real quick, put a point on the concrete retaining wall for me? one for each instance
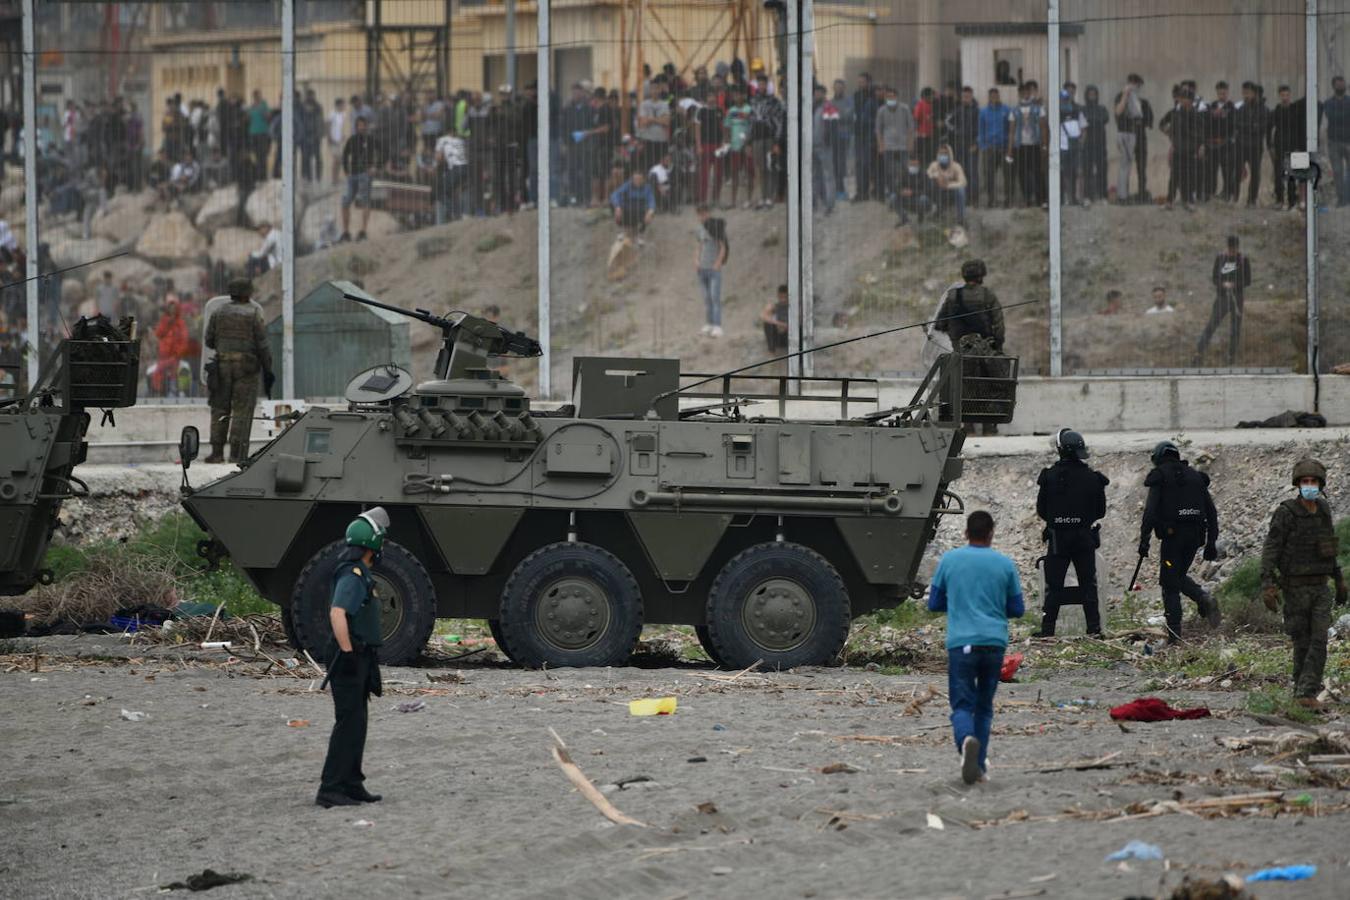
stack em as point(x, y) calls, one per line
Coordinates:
point(1168, 404)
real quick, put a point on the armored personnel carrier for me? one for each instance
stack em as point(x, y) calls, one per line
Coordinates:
point(42, 439)
point(568, 529)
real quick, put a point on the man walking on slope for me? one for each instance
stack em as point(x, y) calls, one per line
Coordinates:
point(978, 588)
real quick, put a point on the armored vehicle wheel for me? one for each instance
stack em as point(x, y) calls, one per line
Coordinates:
point(407, 602)
point(495, 626)
point(780, 603)
point(288, 623)
point(706, 643)
point(570, 604)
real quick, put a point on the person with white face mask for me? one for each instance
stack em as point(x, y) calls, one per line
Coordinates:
point(1299, 556)
point(895, 136)
point(948, 183)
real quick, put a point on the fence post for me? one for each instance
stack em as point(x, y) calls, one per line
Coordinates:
point(1054, 220)
point(30, 193)
point(794, 197)
point(543, 176)
point(288, 386)
point(806, 94)
point(1310, 217)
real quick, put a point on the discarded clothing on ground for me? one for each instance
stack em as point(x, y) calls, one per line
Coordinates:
point(1152, 709)
point(209, 878)
point(1288, 419)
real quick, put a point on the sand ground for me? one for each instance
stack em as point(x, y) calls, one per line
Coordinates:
point(97, 806)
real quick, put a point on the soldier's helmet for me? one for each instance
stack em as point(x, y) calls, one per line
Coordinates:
point(1307, 467)
point(1162, 449)
point(973, 269)
point(240, 287)
point(1070, 443)
point(368, 529)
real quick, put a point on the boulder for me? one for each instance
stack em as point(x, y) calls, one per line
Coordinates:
point(124, 219)
point(232, 246)
point(72, 290)
point(137, 272)
point(381, 224)
point(170, 237)
point(220, 209)
point(11, 198)
point(74, 251)
point(264, 204)
point(434, 245)
point(186, 279)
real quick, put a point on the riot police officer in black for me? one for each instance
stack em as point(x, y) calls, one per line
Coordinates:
point(1181, 513)
point(1072, 498)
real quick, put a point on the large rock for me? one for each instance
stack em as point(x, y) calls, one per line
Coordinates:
point(232, 246)
point(381, 224)
point(124, 219)
point(170, 238)
point(72, 290)
point(11, 198)
point(75, 251)
point(186, 279)
point(264, 204)
point(220, 209)
point(131, 269)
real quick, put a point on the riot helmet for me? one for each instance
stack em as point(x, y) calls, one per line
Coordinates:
point(1162, 450)
point(368, 529)
point(1070, 444)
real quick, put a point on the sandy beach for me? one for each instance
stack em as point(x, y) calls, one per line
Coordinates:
point(730, 788)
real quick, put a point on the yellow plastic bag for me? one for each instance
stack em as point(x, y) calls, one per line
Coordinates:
point(655, 706)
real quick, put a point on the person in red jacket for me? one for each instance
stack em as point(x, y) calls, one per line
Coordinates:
point(172, 336)
point(925, 145)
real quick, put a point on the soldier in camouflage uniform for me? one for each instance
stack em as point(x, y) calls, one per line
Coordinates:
point(1302, 547)
point(236, 333)
point(973, 318)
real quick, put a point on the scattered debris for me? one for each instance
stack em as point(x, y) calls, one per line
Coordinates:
point(839, 768)
point(1283, 873)
point(584, 785)
point(207, 879)
point(707, 807)
point(411, 706)
point(1229, 887)
point(654, 706)
point(1136, 850)
point(297, 723)
point(134, 715)
point(1011, 662)
point(362, 823)
point(1153, 709)
point(935, 822)
point(916, 705)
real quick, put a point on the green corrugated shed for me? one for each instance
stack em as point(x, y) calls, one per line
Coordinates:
point(336, 338)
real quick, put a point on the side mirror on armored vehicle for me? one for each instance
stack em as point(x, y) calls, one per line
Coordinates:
point(189, 443)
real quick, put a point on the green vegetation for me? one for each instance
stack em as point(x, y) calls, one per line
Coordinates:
point(1278, 701)
point(168, 548)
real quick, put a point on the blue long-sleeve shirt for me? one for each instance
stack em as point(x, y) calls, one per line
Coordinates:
point(993, 127)
point(630, 194)
point(979, 590)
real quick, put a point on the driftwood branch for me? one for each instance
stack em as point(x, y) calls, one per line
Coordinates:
point(584, 785)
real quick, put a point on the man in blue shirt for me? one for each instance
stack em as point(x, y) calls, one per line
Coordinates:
point(993, 140)
point(633, 203)
point(978, 588)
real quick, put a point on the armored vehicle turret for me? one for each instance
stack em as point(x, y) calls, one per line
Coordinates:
point(652, 497)
point(42, 439)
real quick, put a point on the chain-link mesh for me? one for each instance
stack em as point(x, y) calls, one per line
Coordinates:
point(1332, 196)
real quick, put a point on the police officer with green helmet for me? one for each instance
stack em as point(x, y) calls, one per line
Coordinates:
point(1302, 548)
point(354, 671)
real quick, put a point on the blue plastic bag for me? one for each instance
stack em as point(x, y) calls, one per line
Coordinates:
point(1283, 873)
point(1136, 850)
point(578, 137)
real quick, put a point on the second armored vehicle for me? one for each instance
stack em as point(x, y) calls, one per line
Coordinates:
point(568, 529)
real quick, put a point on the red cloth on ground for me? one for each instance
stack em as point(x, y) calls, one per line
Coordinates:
point(1152, 709)
point(1010, 664)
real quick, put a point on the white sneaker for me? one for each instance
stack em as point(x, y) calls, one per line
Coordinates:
point(715, 331)
point(705, 330)
point(970, 760)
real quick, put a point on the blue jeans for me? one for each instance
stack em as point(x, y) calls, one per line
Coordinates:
point(710, 281)
point(972, 679)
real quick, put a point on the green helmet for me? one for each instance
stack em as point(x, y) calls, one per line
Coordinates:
point(368, 529)
point(1307, 467)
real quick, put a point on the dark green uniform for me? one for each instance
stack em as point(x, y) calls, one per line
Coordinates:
point(236, 333)
point(1301, 547)
point(354, 677)
point(971, 309)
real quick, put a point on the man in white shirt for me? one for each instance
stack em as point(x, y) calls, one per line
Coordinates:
point(1160, 304)
point(268, 255)
point(659, 175)
point(337, 133)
